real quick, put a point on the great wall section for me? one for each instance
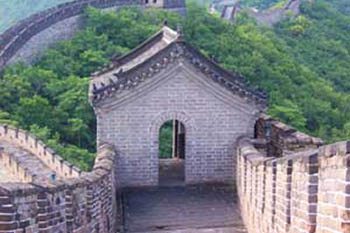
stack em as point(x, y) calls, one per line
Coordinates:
point(63, 199)
point(287, 182)
point(284, 181)
point(25, 41)
point(267, 17)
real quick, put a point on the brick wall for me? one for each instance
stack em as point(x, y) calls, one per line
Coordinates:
point(25, 140)
point(84, 204)
point(213, 118)
point(41, 30)
point(303, 191)
point(15, 37)
point(282, 139)
point(14, 170)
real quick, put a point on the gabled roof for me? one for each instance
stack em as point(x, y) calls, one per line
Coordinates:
point(155, 54)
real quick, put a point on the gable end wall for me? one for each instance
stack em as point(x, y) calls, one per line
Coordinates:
point(212, 126)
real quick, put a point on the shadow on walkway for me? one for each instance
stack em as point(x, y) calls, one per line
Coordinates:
point(182, 209)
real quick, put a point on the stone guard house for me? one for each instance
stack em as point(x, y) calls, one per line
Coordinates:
point(165, 79)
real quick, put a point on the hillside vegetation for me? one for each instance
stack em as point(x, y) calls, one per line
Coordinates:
point(303, 64)
point(11, 11)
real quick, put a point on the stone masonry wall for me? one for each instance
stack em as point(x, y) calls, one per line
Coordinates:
point(16, 37)
point(212, 116)
point(282, 139)
point(28, 38)
point(30, 143)
point(274, 15)
point(84, 204)
point(32, 50)
point(302, 192)
point(13, 169)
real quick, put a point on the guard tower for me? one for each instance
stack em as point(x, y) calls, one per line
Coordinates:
point(166, 79)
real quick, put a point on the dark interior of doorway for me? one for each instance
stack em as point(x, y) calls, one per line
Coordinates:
point(172, 153)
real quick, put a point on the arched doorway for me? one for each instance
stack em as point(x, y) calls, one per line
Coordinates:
point(172, 144)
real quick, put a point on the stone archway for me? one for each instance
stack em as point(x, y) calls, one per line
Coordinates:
point(187, 123)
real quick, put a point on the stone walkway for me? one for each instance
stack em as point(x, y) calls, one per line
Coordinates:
point(200, 209)
point(171, 172)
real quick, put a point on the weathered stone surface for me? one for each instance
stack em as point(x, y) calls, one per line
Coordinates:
point(26, 40)
point(179, 83)
point(287, 181)
point(303, 190)
point(166, 209)
point(80, 204)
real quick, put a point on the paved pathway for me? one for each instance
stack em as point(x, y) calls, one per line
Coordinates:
point(200, 209)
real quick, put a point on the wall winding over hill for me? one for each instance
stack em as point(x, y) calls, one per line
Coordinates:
point(28, 142)
point(87, 203)
point(63, 18)
point(304, 189)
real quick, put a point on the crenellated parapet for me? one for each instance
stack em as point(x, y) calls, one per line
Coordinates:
point(16, 37)
point(268, 17)
point(28, 142)
point(282, 139)
point(82, 204)
point(305, 190)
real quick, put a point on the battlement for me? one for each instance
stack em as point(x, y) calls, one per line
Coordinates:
point(267, 17)
point(302, 191)
point(13, 39)
point(48, 156)
point(281, 139)
point(71, 205)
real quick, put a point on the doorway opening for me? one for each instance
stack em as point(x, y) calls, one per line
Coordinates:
point(172, 144)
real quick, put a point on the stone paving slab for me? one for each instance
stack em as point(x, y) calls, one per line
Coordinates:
point(212, 230)
point(209, 209)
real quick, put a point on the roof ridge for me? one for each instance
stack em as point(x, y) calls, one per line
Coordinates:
point(169, 54)
point(165, 33)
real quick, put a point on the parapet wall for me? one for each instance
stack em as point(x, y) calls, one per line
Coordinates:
point(274, 15)
point(14, 172)
point(282, 139)
point(28, 38)
point(84, 204)
point(29, 142)
point(17, 36)
point(302, 191)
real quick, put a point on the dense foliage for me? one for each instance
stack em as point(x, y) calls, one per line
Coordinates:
point(342, 6)
point(166, 140)
point(302, 64)
point(320, 40)
point(51, 98)
point(298, 94)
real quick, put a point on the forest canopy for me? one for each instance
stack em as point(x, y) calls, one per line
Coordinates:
point(303, 65)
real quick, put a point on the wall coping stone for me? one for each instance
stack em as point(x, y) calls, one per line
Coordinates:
point(255, 157)
point(16, 36)
point(104, 163)
point(31, 143)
